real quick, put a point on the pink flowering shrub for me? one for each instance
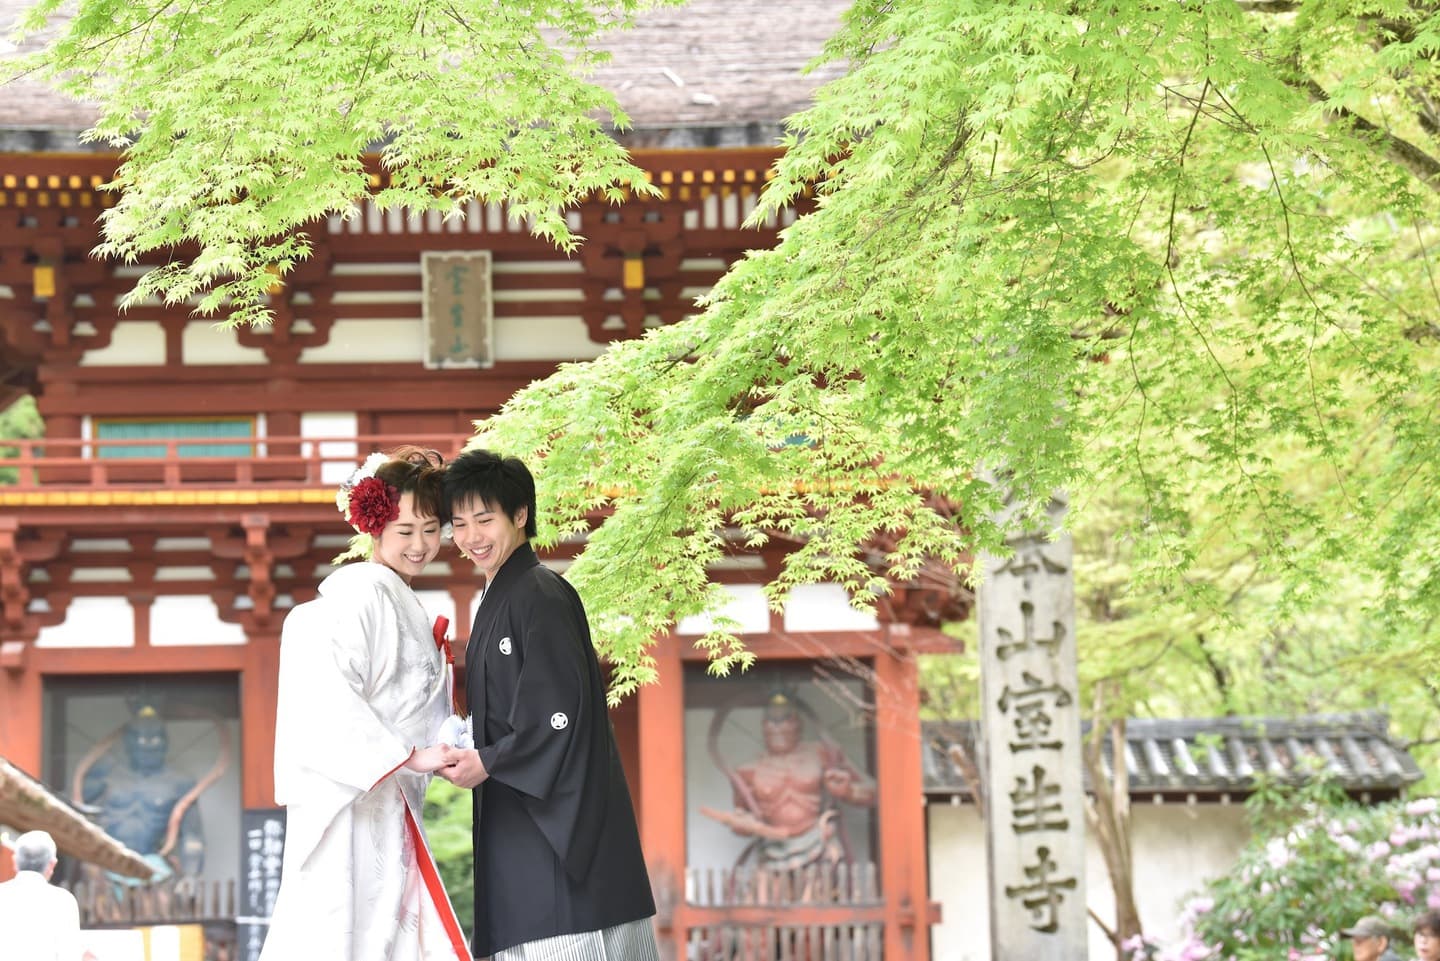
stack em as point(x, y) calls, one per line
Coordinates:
point(1297, 884)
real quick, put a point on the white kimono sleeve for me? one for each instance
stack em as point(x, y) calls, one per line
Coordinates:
point(330, 745)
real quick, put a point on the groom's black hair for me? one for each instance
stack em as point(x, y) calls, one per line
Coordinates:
point(495, 481)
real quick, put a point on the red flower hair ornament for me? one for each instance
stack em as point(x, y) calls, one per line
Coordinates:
point(368, 504)
point(373, 504)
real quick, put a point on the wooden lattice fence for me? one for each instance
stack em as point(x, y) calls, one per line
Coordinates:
point(823, 912)
point(183, 900)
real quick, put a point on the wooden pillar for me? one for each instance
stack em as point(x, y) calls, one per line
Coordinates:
point(14, 593)
point(20, 707)
point(21, 718)
point(660, 794)
point(258, 696)
point(259, 678)
point(140, 607)
point(625, 722)
point(900, 802)
point(462, 595)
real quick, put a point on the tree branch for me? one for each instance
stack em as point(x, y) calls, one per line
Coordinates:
point(1409, 156)
point(1268, 6)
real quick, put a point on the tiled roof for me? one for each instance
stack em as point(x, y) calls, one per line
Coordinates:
point(27, 805)
point(709, 73)
point(1219, 755)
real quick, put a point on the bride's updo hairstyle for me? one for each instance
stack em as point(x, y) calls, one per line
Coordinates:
point(418, 471)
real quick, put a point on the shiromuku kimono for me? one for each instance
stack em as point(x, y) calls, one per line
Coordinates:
point(362, 684)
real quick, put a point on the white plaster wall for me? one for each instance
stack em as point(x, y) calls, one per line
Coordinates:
point(92, 622)
point(747, 607)
point(809, 607)
point(204, 343)
point(342, 456)
point(163, 544)
point(1177, 849)
point(101, 545)
point(824, 607)
point(186, 573)
point(362, 341)
point(101, 575)
point(190, 619)
point(544, 338)
point(400, 341)
point(133, 343)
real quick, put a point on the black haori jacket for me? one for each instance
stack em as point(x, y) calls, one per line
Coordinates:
point(557, 850)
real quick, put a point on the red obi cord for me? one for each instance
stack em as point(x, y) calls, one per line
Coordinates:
point(435, 888)
point(442, 624)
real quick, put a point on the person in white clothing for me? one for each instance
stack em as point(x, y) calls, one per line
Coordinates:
point(38, 921)
point(364, 689)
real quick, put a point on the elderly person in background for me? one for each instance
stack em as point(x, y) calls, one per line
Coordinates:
point(1370, 939)
point(38, 922)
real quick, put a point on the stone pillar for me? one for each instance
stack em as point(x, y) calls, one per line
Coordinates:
point(1031, 752)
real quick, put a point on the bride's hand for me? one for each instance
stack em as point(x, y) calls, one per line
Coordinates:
point(427, 760)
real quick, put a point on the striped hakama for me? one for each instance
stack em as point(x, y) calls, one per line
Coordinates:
point(631, 941)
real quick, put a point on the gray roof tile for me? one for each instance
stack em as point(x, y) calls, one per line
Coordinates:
point(1221, 755)
point(709, 73)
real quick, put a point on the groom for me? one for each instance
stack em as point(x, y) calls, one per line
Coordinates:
point(557, 852)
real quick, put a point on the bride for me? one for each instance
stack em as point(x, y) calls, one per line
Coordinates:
point(363, 690)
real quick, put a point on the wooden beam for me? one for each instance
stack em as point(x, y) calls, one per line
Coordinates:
point(191, 658)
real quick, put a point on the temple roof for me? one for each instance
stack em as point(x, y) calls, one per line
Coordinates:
point(1213, 756)
point(712, 73)
point(27, 805)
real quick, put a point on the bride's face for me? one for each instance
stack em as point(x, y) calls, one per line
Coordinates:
point(409, 542)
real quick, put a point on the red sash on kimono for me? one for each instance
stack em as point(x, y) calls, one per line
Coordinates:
point(442, 624)
point(435, 888)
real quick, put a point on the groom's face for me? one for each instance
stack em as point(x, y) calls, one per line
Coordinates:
point(486, 534)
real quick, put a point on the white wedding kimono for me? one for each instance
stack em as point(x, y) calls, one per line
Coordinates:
point(361, 685)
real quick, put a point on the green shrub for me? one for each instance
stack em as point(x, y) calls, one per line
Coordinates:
point(1303, 878)
point(447, 825)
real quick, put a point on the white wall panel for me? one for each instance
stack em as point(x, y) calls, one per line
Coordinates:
point(204, 343)
point(190, 619)
point(92, 622)
point(133, 343)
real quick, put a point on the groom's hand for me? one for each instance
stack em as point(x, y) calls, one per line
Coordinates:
point(463, 767)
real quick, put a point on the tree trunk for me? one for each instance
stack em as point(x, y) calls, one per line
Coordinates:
point(1108, 813)
point(966, 764)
